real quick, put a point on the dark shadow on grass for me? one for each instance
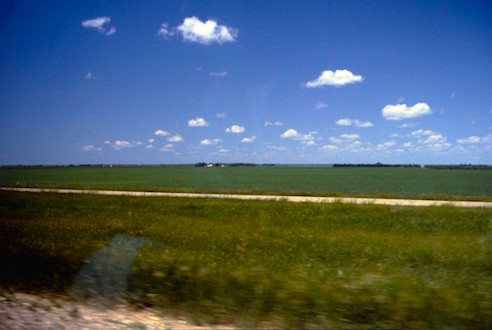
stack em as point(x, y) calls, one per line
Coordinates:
point(103, 279)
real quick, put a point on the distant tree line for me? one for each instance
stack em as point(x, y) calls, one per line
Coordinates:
point(451, 166)
point(202, 164)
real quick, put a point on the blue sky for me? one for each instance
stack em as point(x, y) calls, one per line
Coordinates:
point(254, 81)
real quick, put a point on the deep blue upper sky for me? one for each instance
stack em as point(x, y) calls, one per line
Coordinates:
point(94, 81)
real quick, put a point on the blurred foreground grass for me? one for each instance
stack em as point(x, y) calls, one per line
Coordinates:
point(255, 263)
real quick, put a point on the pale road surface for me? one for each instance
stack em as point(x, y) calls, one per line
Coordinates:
point(294, 199)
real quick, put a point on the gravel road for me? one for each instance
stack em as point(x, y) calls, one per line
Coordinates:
point(293, 199)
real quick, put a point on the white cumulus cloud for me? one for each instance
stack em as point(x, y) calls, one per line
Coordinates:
point(435, 138)
point(91, 148)
point(320, 105)
point(248, 139)
point(306, 139)
point(160, 132)
point(329, 147)
point(164, 32)
point(207, 142)
point(122, 144)
point(168, 147)
point(276, 123)
point(235, 129)
point(206, 33)
point(197, 122)
point(337, 78)
point(349, 136)
point(385, 145)
point(470, 140)
point(221, 115)
point(175, 138)
point(290, 133)
point(421, 132)
point(101, 24)
point(355, 122)
point(401, 111)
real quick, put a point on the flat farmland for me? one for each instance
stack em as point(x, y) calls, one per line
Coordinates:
point(321, 181)
point(255, 263)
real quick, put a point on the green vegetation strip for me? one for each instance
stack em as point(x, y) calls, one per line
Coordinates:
point(263, 263)
point(407, 183)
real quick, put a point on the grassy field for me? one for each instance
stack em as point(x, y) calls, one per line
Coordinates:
point(256, 263)
point(366, 182)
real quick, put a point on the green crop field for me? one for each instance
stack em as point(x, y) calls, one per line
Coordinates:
point(254, 263)
point(380, 182)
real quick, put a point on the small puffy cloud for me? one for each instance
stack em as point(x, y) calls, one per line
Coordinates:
point(91, 148)
point(218, 74)
point(362, 124)
point(395, 135)
point(122, 144)
point(435, 138)
point(101, 24)
point(107, 142)
point(406, 125)
point(349, 136)
point(175, 138)
point(149, 146)
point(344, 122)
point(329, 147)
point(164, 32)
point(208, 142)
point(111, 31)
point(168, 147)
point(401, 111)
point(385, 145)
point(355, 122)
point(290, 133)
point(235, 129)
point(97, 23)
point(221, 115)
point(248, 139)
point(335, 140)
point(206, 33)
point(470, 140)
point(160, 132)
point(223, 150)
point(407, 144)
point(306, 139)
point(421, 132)
point(151, 140)
point(320, 105)
point(337, 78)
point(275, 148)
point(276, 123)
point(88, 76)
point(197, 122)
